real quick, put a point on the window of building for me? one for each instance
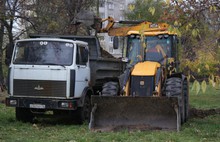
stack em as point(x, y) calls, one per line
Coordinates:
point(110, 5)
point(121, 18)
point(121, 7)
point(101, 3)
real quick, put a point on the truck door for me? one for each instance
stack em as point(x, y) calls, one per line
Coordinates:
point(82, 70)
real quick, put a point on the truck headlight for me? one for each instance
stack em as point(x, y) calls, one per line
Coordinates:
point(13, 102)
point(64, 104)
point(68, 104)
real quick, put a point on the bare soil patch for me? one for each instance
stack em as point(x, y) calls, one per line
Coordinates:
point(200, 113)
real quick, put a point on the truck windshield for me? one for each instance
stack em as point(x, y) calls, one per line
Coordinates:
point(43, 53)
point(156, 48)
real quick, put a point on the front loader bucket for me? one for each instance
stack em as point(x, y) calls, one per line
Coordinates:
point(112, 113)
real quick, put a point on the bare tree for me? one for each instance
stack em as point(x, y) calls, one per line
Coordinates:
point(2, 14)
point(199, 23)
point(54, 17)
point(19, 17)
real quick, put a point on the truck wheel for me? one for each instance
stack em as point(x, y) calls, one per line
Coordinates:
point(110, 89)
point(83, 113)
point(174, 88)
point(24, 114)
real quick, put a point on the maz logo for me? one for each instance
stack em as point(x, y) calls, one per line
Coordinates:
point(38, 87)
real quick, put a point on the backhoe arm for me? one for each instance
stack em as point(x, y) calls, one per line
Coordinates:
point(137, 27)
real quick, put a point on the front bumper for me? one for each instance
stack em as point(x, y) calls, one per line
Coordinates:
point(42, 103)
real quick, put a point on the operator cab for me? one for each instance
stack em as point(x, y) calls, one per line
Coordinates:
point(151, 48)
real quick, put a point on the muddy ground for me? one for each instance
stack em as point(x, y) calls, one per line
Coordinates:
point(200, 113)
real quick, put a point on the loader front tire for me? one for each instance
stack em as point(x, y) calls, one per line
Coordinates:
point(110, 89)
point(173, 87)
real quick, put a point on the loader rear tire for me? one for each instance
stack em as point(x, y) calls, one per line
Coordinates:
point(174, 88)
point(110, 89)
point(186, 99)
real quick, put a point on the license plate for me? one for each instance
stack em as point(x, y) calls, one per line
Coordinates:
point(40, 106)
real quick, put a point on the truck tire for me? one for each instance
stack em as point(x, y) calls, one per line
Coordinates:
point(24, 114)
point(174, 88)
point(110, 89)
point(83, 113)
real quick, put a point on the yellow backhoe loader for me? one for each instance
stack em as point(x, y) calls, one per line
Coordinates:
point(151, 93)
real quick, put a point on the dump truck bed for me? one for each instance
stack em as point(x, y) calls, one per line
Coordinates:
point(112, 113)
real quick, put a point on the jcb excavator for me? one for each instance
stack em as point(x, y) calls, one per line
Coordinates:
point(151, 93)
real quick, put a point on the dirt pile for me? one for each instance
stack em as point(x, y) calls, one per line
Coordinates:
point(200, 113)
point(106, 54)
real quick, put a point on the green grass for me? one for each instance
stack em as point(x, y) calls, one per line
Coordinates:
point(208, 100)
point(205, 101)
point(195, 130)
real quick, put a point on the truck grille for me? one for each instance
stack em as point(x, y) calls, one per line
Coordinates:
point(42, 88)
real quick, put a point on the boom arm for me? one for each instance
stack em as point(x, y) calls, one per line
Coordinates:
point(128, 28)
point(137, 27)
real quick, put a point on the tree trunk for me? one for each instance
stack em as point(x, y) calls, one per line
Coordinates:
point(2, 13)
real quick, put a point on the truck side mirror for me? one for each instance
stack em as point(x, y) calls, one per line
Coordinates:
point(115, 42)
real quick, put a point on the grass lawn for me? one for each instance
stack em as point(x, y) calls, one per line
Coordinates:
point(208, 100)
point(195, 130)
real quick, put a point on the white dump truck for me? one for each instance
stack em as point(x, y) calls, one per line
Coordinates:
point(58, 74)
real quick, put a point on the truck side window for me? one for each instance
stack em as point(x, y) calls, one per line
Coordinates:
point(81, 55)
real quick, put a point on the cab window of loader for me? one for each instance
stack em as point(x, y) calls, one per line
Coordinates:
point(157, 47)
point(164, 42)
point(174, 47)
point(134, 48)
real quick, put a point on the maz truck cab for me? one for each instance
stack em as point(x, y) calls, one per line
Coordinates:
point(49, 74)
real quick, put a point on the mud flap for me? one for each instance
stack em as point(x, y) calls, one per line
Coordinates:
point(111, 113)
